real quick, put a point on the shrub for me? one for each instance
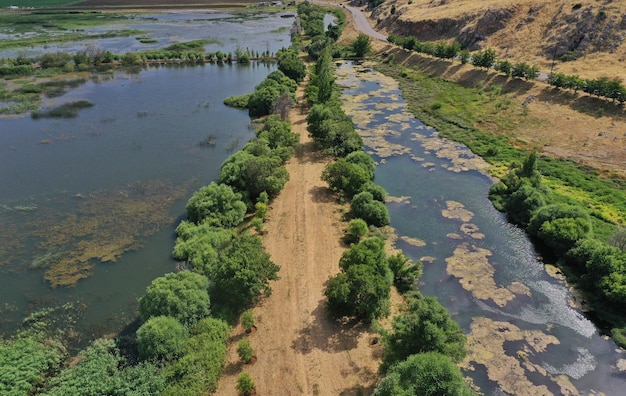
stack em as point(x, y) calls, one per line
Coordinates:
point(245, 385)
point(245, 351)
point(357, 228)
point(161, 337)
point(373, 212)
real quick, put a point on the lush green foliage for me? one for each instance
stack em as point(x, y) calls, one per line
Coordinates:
point(161, 338)
point(560, 226)
point(183, 295)
point(252, 174)
point(25, 362)
point(198, 371)
point(362, 287)
point(425, 326)
point(345, 177)
point(66, 110)
point(424, 374)
point(244, 272)
point(101, 371)
point(199, 245)
point(332, 130)
point(405, 273)
point(240, 102)
point(217, 205)
point(612, 89)
point(247, 319)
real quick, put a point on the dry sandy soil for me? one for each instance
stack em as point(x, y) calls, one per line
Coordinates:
point(300, 350)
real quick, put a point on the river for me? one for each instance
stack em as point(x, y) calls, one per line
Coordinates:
point(524, 337)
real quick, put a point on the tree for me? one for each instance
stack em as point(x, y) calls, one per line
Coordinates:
point(362, 45)
point(245, 385)
point(217, 205)
point(162, 338)
point(360, 291)
point(369, 252)
point(244, 272)
point(560, 226)
point(424, 374)
point(425, 326)
point(345, 177)
point(182, 295)
point(199, 245)
point(357, 228)
point(289, 62)
point(373, 212)
point(245, 351)
point(484, 59)
point(252, 175)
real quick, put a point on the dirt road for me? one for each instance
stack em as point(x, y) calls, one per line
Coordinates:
point(299, 349)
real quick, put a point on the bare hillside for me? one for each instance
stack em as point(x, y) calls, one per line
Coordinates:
point(585, 38)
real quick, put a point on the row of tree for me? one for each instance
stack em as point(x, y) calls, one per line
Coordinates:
point(605, 87)
point(608, 88)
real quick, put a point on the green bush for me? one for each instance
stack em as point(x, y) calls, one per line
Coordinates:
point(217, 205)
point(357, 228)
point(162, 338)
point(373, 212)
point(183, 295)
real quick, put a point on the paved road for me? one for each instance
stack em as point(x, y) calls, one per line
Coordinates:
point(360, 20)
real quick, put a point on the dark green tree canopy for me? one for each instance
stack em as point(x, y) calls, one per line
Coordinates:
point(182, 295)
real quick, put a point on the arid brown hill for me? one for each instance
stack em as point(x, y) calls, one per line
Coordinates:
point(586, 38)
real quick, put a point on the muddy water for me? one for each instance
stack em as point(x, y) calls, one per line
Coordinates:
point(524, 336)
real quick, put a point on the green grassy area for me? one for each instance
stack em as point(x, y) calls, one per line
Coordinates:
point(469, 115)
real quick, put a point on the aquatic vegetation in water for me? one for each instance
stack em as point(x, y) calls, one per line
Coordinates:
point(471, 265)
point(94, 227)
point(456, 210)
point(487, 343)
point(67, 110)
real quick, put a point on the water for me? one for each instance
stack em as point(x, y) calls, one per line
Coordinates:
point(226, 33)
point(524, 336)
point(88, 205)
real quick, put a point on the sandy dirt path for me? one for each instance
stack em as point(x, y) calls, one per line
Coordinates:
point(300, 350)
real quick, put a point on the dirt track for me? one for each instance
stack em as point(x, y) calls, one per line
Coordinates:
point(299, 349)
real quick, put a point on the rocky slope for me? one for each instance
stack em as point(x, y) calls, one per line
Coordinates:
point(585, 38)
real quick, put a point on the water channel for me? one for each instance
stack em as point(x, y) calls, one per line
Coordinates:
point(524, 337)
